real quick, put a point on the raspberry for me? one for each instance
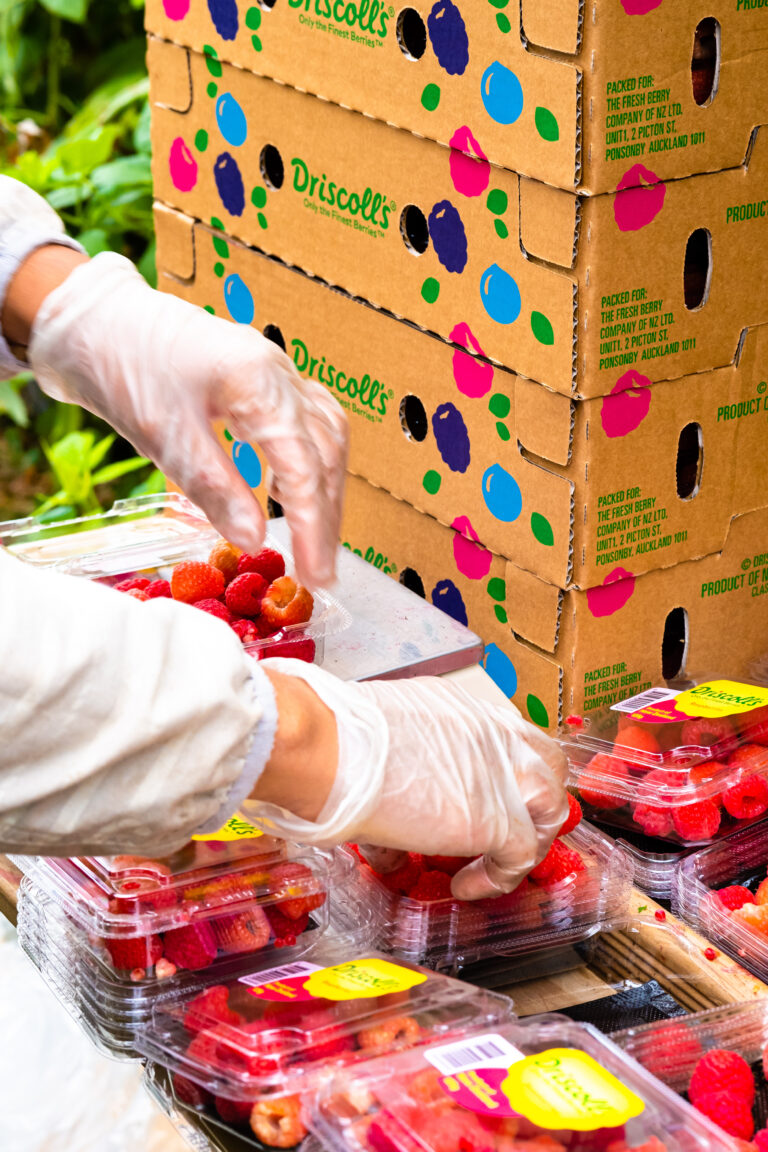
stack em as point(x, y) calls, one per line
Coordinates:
point(735, 896)
point(750, 756)
point(675, 1047)
point(761, 892)
point(138, 583)
point(403, 878)
point(193, 946)
point(195, 580)
point(449, 864)
point(293, 879)
point(268, 563)
point(431, 886)
point(694, 822)
point(137, 594)
point(286, 603)
point(558, 864)
point(603, 777)
point(574, 817)
point(722, 1071)
point(298, 649)
point(190, 1093)
point(706, 732)
point(245, 629)
point(158, 589)
point(232, 1111)
point(245, 594)
point(244, 932)
point(509, 902)
point(209, 1008)
point(225, 556)
point(760, 1140)
point(732, 1114)
point(215, 608)
point(754, 916)
point(138, 952)
point(252, 1050)
point(654, 821)
point(285, 930)
point(747, 798)
point(635, 739)
point(701, 776)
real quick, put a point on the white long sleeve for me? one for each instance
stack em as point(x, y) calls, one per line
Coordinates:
point(27, 222)
point(125, 726)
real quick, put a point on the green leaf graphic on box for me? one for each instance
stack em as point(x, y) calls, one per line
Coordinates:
point(546, 124)
point(542, 328)
point(537, 711)
point(542, 529)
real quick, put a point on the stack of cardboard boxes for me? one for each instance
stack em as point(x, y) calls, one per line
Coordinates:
point(526, 247)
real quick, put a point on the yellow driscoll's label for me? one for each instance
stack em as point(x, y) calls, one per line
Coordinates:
point(360, 979)
point(721, 698)
point(566, 1088)
point(236, 828)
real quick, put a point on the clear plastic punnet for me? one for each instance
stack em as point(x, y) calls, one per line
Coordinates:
point(448, 934)
point(141, 540)
point(545, 1084)
point(252, 1051)
point(144, 921)
point(685, 764)
point(722, 891)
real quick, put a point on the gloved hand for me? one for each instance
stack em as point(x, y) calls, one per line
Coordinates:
point(160, 371)
point(425, 766)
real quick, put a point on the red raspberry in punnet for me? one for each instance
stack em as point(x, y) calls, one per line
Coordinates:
point(225, 556)
point(193, 946)
point(696, 822)
point(285, 930)
point(293, 885)
point(214, 608)
point(190, 1093)
point(574, 817)
point(750, 757)
point(761, 892)
point(760, 1140)
point(605, 782)
point(734, 896)
point(560, 863)
point(721, 1070)
point(246, 630)
point(137, 594)
point(268, 563)
point(243, 932)
point(449, 864)
point(233, 1111)
point(137, 952)
point(195, 580)
point(431, 886)
point(715, 732)
point(732, 1113)
point(508, 902)
point(286, 603)
point(653, 820)
point(402, 879)
point(675, 1046)
point(132, 583)
point(747, 799)
point(158, 590)
point(298, 649)
point(245, 594)
point(637, 744)
point(209, 1008)
point(753, 916)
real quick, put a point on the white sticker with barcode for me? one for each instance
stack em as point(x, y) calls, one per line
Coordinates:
point(284, 972)
point(489, 1051)
point(645, 699)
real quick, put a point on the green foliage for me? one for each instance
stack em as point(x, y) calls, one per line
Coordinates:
point(74, 461)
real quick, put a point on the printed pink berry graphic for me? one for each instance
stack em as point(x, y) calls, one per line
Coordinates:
point(639, 7)
point(183, 166)
point(176, 9)
point(612, 594)
point(639, 198)
point(472, 560)
point(470, 170)
point(627, 404)
point(473, 377)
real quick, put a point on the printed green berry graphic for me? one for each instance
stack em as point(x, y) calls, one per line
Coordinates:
point(542, 529)
point(259, 196)
point(262, 220)
point(546, 124)
point(542, 328)
point(212, 89)
point(430, 289)
point(432, 481)
point(502, 20)
point(503, 431)
point(500, 405)
point(218, 270)
point(253, 19)
point(209, 308)
point(201, 140)
point(500, 613)
point(497, 589)
point(537, 711)
point(430, 97)
point(498, 3)
point(256, 43)
point(220, 247)
point(501, 229)
point(212, 62)
point(497, 201)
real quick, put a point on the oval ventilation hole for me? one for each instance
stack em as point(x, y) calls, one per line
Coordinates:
point(411, 34)
point(273, 333)
point(697, 271)
point(413, 418)
point(705, 62)
point(674, 646)
point(690, 460)
point(412, 580)
point(271, 166)
point(414, 229)
point(274, 510)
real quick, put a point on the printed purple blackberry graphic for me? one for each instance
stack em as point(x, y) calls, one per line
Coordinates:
point(446, 597)
point(451, 437)
point(448, 37)
point(229, 184)
point(448, 237)
point(224, 16)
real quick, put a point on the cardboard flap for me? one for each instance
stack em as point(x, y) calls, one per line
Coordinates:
point(175, 235)
point(169, 75)
point(555, 24)
point(549, 223)
point(533, 607)
point(544, 421)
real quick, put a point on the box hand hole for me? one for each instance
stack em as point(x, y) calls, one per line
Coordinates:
point(690, 459)
point(414, 229)
point(271, 166)
point(412, 580)
point(674, 645)
point(697, 270)
point(705, 62)
point(411, 34)
point(273, 333)
point(413, 419)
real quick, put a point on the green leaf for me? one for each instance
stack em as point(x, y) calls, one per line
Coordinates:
point(68, 458)
point(108, 101)
point(153, 484)
point(130, 170)
point(82, 154)
point(53, 510)
point(120, 468)
point(94, 240)
point(148, 265)
point(141, 136)
point(74, 10)
point(11, 403)
point(69, 196)
point(99, 451)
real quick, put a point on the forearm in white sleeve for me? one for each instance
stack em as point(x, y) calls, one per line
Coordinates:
point(27, 222)
point(125, 726)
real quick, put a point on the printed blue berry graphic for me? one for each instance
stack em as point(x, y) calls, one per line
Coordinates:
point(446, 597)
point(448, 37)
point(247, 463)
point(500, 295)
point(502, 93)
point(501, 670)
point(451, 437)
point(448, 237)
point(229, 184)
point(238, 299)
point(231, 120)
point(224, 16)
point(502, 494)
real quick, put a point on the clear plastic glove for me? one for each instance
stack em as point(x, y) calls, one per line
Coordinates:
point(426, 767)
point(160, 370)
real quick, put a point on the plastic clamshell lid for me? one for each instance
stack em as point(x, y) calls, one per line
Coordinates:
point(543, 1078)
point(272, 1032)
point(691, 737)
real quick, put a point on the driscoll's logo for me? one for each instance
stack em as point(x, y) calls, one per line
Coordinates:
point(364, 391)
point(368, 15)
point(371, 207)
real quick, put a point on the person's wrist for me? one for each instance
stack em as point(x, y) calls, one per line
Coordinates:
point(40, 274)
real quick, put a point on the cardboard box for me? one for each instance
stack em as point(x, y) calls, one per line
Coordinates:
point(554, 652)
point(574, 292)
point(570, 93)
point(565, 489)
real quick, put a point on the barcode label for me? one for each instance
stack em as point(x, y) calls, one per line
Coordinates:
point(490, 1051)
point(284, 972)
point(644, 699)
